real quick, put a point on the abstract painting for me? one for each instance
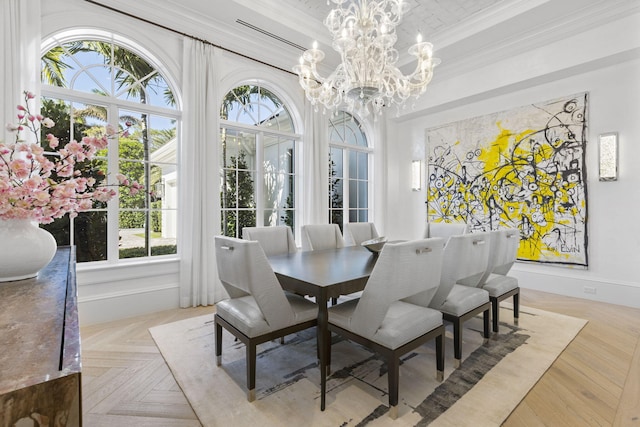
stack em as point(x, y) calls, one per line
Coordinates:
point(523, 168)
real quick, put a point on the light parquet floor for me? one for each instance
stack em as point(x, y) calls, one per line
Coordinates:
point(125, 381)
point(594, 382)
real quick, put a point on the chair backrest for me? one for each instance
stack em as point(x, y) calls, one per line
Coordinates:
point(358, 232)
point(274, 240)
point(445, 229)
point(495, 246)
point(402, 270)
point(508, 253)
point(244, 270)
point(316, 237)
point(503, 252)
point(465, 261)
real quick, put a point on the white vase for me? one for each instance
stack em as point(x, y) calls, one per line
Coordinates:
point(25, 249)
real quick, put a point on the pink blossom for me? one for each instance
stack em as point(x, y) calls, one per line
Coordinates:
point(75, 149)
point(42, 196)
point(37, 149)
point(20, 168)
point(22, 148)
point(32, 183)
point(85, 204)
point(99, 143)
point(135, 188)
point(53, 141)
point(122, 180)
point(65, 170)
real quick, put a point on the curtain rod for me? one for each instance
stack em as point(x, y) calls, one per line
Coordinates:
point(187, 35)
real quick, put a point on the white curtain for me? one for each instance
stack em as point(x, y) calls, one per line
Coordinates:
point(19, 70)
point(200, 180)
point(316, 166)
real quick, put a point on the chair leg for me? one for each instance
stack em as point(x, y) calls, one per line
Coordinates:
point(218, 344)
point(394, 377)
point(251, 371)
point(440, 357)
point(485, 319)
point(495, 310)
point(516, 307)
point(457, 342)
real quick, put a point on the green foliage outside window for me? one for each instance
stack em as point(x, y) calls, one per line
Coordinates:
point(239, 194)
point(335, 196)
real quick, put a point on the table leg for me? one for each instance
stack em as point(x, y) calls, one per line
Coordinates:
point(323, 334)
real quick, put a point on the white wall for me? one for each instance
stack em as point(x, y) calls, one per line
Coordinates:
point(611, 76)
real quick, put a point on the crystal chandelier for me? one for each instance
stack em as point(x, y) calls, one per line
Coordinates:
point(364, 34)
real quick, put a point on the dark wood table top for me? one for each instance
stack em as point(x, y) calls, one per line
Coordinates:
point(305, 270)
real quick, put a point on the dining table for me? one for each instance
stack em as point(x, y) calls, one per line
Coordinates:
point(324, 274)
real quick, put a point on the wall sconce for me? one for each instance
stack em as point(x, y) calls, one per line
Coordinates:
point(416, 175)
point(608, 156)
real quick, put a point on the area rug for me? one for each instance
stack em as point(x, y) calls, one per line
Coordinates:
point(493, 379)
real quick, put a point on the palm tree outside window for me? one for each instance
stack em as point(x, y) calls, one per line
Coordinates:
point(258, 160)
point(86, 85)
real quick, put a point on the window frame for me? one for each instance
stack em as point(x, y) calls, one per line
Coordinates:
point(113, 104)
point(346, 149)
point(261, 132)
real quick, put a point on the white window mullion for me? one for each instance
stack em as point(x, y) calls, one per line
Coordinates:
point(297, 182)
point(370, 191)
point(345, 186)
point(259, 168)
point(113, 208)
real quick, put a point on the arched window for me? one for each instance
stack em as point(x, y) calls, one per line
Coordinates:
point(349, 166)
point(87, 84)
point(259, 158)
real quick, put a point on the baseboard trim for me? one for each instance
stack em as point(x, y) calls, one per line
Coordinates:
point(591, 288)
point(124, 294)
point(120, 305)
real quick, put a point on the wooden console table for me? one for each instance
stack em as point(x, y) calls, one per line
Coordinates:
point(40, 347)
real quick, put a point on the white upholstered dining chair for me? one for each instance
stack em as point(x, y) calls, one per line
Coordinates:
point(382, 321)
point(445, 230)
point(465, 260)
point(496, 281)
point(357, 232)
point(273, 240)
point(258, 310)
point(317, 237)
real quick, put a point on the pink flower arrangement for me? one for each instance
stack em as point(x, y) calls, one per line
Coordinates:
point(28, 189)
